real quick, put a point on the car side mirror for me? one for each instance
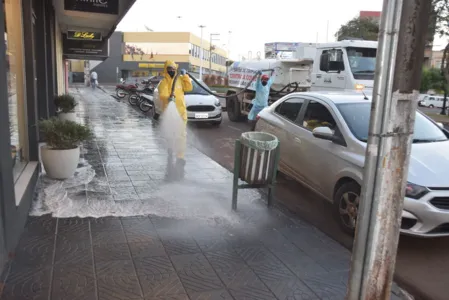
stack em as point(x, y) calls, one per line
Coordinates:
point(323, 133)
point(440, 124)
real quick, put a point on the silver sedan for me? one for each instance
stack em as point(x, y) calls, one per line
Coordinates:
point(323, 142)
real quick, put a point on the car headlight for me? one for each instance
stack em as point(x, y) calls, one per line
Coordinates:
point(217, 103)
point(415, 191)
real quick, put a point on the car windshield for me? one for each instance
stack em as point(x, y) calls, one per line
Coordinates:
point(197, 90)
point(357, 116)
point(362, 62)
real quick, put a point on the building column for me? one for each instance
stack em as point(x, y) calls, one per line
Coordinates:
point(43, 98)
point(51, 76)
point(29, 21)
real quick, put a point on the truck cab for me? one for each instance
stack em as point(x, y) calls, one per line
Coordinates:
point(344, 66)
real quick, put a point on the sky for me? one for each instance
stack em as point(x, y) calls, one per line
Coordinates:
point(251, 23)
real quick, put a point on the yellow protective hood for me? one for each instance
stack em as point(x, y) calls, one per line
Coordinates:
point(169, 63)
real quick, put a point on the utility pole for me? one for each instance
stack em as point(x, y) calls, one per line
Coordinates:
point(211, 48)
point(395, 98)
point(229, 44)
point(201, 53)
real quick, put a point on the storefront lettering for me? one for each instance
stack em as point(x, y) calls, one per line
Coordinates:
point(84, 35)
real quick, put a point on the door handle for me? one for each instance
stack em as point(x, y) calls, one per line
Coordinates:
point(297, 140)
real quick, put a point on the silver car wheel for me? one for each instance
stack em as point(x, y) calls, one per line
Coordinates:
point(348, 208)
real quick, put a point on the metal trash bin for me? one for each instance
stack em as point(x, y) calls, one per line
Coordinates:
point(256, 161)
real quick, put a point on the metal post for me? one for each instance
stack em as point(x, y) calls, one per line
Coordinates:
point(235, 182)
point(201, 53)
point(210, 51)
point(229, 44)
point(210, 55)
point(272, 188)
point(395, 97)
point(443, 110)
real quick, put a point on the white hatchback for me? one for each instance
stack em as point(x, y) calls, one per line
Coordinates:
point(200, 105)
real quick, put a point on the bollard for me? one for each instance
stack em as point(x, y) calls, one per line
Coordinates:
point(256, 160)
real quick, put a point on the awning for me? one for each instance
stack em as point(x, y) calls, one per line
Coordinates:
point(89, 21)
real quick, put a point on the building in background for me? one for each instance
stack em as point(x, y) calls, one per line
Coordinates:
point(437, 59)
point(138, 55)
point(374, 15)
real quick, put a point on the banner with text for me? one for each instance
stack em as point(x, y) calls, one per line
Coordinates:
point(240, 77)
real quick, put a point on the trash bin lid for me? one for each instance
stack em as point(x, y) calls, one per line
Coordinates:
point(259, 140)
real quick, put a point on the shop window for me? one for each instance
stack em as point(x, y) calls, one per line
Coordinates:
point(16, 85)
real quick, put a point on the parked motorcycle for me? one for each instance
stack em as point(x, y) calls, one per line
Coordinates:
point(145, 103)
point(123, 89)
point(135, 95)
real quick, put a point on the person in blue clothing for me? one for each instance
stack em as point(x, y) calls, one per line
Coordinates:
point(263, 85)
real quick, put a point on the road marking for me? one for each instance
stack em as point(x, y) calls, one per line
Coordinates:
point(235, 128)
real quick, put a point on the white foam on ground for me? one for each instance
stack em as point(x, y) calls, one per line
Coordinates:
point(188, 199)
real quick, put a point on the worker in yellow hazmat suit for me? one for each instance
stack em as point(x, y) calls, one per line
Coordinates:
point(182, 84)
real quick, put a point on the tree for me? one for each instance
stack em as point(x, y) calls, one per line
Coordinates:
point(432, 79)
point(441, 17)
point(363, 28)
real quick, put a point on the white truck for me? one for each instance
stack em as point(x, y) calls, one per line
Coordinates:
point(347, 65)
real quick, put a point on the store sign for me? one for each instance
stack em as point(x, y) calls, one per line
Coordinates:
point(84, 35)
point(94, 6)
point(151, 66)
point(85, 48)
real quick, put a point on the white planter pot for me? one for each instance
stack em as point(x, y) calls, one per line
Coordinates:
point(71, 116)
point(60, 164)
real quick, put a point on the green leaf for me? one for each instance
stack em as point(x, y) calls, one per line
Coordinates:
point(63, 135)
point(65, 103)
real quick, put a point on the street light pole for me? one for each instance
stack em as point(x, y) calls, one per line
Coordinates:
point(211, 49)
point(229, 44)
point(394, 104)
point(201, 53)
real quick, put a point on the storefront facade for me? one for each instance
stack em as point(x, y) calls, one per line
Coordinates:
point(33, 72)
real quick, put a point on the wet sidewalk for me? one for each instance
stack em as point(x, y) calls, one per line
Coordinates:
point(142, 238)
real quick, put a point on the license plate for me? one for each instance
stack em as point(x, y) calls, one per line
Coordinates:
point(202, 116)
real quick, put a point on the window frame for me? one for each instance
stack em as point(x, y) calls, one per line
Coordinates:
point(338, 132)
point(300, 113)
point(326, 51)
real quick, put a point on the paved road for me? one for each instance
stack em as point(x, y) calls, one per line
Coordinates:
point(430, 110)
point(421, 264)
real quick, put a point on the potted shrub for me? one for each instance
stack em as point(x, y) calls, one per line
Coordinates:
point(65, 105)
point(60, 155)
